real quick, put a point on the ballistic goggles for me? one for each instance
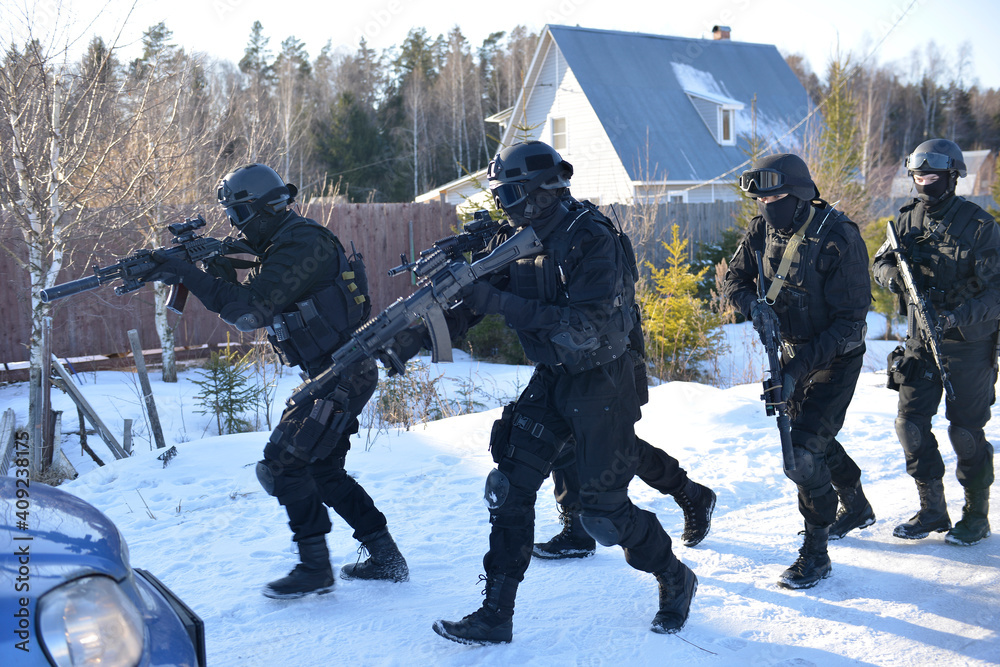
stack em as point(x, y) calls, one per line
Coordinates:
point(933, 162)
point(506, 195)
point(240, 214)
point(763, 181)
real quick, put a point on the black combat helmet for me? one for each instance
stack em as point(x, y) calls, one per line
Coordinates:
point(936, 155)
point(251, 194)
point(782, 173)
point(518, 172)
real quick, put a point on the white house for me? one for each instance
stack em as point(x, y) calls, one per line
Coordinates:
point(649, 117)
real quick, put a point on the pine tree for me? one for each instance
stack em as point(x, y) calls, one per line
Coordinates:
point(681, 329)
point(226, 392)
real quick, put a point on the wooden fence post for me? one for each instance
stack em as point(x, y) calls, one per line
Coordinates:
point(147, 391)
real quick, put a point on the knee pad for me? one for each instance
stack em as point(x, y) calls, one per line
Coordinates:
point(602, 529)
point(963, 442)
point(286, 484)
point(265, 477)
point(497, 489)
point(805, 467)
point(909, 435)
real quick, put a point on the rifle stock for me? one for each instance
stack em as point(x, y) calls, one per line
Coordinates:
point(773, 405)
point(437, 292)
point(922, 310)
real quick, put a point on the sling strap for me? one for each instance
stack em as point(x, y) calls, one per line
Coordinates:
point(791, 250)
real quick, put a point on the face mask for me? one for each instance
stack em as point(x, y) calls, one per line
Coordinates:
point(932, 192)
point(538, 205)
point(780, 214)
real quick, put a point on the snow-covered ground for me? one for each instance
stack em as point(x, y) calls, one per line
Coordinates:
point(204, 526)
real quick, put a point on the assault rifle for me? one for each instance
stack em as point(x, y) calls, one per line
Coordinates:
point(441, 275)
point(923, 311)
point(773, 405)
point(477, 233)
point(133, 269)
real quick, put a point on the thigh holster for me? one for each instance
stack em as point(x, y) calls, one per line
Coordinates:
point(544, 444)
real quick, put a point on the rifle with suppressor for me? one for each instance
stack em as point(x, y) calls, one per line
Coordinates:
point(773, 405)
point(441, 274)
point(133, 269)
point(922, 310)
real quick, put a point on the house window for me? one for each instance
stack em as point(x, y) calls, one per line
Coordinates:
point(727, 126)
point(559, 134)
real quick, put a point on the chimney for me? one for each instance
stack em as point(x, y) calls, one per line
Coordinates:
point(720, 32)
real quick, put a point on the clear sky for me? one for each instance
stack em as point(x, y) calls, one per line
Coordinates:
point(814, 29)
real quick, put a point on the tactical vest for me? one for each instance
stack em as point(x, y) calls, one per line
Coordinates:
point(542, 278)
point(940, 250)
point(801, 306)
point(318, 325)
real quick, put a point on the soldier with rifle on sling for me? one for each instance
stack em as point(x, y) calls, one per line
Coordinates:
point(943, 258)
point(817, 297)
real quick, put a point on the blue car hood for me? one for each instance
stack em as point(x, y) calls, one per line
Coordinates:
point(57, 536)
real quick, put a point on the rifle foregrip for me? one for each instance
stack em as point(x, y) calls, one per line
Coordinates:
point(69, 289)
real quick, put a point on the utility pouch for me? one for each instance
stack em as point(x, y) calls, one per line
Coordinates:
point(500, 435)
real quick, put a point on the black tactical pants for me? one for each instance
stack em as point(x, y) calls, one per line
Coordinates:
point(655, 467)
point(973, 373)
point(598, 409)
point(303, 484)
point(818, 409)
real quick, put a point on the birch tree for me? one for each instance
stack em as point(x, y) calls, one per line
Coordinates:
point(61, 133)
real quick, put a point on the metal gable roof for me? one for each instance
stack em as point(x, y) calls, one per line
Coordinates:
point(636, 84)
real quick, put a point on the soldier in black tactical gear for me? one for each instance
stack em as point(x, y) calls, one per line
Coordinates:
point(818, 290)
point(572, 308)
point(310, 297)
point(953, 247)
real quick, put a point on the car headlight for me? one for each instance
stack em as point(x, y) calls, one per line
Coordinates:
point(90, 621)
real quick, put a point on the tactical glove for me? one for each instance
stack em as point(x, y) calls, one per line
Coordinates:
point(762, 314)
point(481, 297)
point(168, 270)
point(221, 267)
point(893, 282)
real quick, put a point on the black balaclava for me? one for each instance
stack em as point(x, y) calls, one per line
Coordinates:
point(259, 230)
point(783, 214)
point(539, 209)
point(934, 192)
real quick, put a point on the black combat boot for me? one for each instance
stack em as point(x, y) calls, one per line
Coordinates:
point(974, 526)
point(813, 563)
point(677, 586)
point(933, 513)
point(572, 542)
point(384, 561)
point(855, 511)
point(697, 502)
point(490, 624)
point(313, 574)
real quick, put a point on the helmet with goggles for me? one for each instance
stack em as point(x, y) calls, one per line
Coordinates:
point(517, 171)
point(782, 173)
point(936, 155)
point(252, 190)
